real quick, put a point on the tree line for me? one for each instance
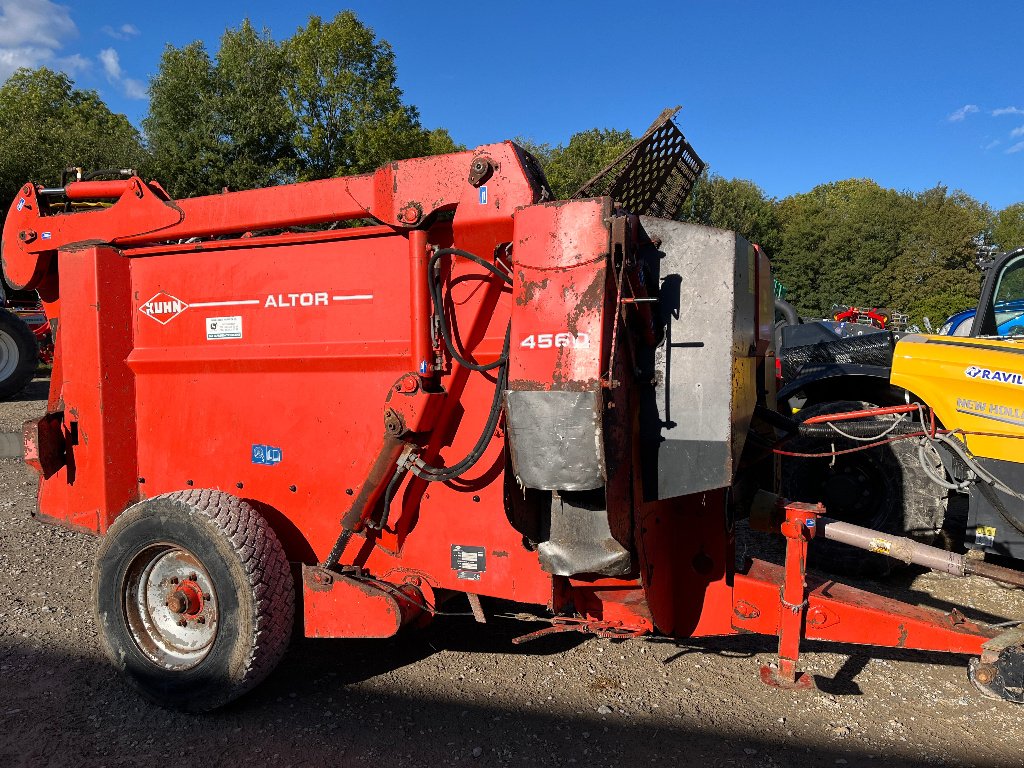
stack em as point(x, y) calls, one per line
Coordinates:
point(325, 102)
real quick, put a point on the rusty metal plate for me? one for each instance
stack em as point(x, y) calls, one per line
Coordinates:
point(654, 176)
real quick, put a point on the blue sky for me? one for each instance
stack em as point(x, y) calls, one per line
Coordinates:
point(789, 95)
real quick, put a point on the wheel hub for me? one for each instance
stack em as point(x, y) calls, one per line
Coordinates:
point(171, 606)
point(8, 355)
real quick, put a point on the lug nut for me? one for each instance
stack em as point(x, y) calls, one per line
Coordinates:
point(192, 576)
point(182, 623)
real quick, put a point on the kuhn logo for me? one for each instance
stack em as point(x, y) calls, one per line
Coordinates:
point(987, 374)
point(163, 308)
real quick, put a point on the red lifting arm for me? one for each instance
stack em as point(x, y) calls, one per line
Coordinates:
point(402, 195)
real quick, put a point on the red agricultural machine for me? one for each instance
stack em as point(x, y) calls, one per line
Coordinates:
point(474, 391)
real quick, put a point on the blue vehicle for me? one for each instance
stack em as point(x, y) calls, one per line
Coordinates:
point(1009, 320)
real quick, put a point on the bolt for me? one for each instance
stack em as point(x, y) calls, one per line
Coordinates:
point(476, 498)
point(349, 491)
point(177, 603)
point(292, 488)
point(206, 596)
point(189, 482)
point(238, 485)
point(411, 214)
point(182, 623)
point(480, 170)
point(201, 620)
point(27, 189)
point(174, 579)
point(27, 235)
point(192, 576)
point(985, 673)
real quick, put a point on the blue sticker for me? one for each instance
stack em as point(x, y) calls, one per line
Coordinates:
point(21, 203)
point(483, 195)
point(45, 235)
point(423, 368)
point(267, 455)
point(988, 374)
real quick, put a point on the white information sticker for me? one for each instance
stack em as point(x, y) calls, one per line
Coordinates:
point(224, 327)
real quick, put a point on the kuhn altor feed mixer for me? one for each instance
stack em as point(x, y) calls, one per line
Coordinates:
point(472, 389)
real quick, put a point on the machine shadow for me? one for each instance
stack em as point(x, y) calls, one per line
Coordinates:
point(312, 713)
point(37, 389)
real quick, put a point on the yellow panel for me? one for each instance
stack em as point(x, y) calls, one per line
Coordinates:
point(972, 384)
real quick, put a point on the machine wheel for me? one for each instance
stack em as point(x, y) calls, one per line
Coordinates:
point(883, 488)
point(194, 598)
point(19, 355)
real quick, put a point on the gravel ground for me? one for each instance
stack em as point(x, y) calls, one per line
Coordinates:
point(459, 693)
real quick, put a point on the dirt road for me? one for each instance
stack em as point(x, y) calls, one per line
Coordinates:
point(460, 693)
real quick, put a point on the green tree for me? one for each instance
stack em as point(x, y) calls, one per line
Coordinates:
point(1008, 227)
point(570, 167)
point(735, 204)
point(46, 125)
point(934, 274)
point(836, 240)
point(321, 104)
point(254, 121)
point(341, 87)
point(181, 127)
point(221, 123)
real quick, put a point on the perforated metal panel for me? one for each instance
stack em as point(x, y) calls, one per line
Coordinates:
point(654, 176)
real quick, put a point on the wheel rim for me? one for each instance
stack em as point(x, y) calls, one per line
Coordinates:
point(170, 606)
point(9, 355)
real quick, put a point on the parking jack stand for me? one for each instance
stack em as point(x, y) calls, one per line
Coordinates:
point(799, 528)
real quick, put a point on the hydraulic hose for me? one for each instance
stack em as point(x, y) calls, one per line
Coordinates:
point(441, 474)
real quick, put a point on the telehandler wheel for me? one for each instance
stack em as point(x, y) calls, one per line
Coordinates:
point(194, 598)
point(883, 488)
point(19, 354)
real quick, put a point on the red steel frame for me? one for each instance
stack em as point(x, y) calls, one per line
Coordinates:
point(145, 401)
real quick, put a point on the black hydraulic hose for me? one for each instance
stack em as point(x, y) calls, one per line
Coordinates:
point(438, 300)
point(788, 311)
point(442, 474)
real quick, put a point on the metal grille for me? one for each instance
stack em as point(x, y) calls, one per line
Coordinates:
point(654, 176)
point(870, 349)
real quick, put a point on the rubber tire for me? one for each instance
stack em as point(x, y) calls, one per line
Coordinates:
point(17, 331)
point(910, 503)
point(250, 574)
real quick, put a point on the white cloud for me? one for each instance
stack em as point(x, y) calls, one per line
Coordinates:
point(123, 32)
point(1017, 132)
point(31, 34)
point(992, 144)
point(1018, 147)
point(963, 112)
point(111, 63)
point(76, 62)
point(135, 89)
point(1007, 111)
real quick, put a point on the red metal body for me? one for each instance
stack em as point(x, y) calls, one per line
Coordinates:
point(295, 369)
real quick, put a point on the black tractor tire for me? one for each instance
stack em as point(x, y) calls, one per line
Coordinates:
point(19, 354)
point(194, 598)
point(883, 488)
